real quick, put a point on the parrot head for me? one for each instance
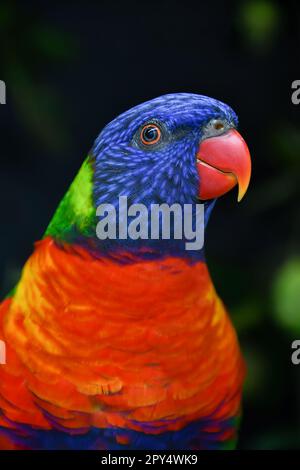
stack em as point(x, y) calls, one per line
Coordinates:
point(179, 148)
point(176, 148)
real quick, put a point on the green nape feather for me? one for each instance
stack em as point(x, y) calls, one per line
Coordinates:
point(11, 293)
point(76, 212)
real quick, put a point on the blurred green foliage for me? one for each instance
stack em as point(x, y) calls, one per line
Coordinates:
point(28, 46)
point(259, 22)
point(286, 296)
point(285, 142)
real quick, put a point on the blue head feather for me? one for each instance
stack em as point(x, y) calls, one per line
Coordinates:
point(164, 174)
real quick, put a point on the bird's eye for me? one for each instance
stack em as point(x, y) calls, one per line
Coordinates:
point(218, 125)
point(150, 134)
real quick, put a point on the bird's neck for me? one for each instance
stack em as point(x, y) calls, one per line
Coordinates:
point(75, 222)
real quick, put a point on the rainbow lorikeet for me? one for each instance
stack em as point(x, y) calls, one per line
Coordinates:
point(123, 343)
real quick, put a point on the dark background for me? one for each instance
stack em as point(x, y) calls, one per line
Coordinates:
point(70, 68)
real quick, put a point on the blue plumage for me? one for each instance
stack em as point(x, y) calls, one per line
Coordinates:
point(165, 174)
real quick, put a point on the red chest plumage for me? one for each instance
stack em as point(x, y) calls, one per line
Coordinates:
point(104, 344)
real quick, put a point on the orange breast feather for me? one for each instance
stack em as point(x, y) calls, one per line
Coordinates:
point(96, 343)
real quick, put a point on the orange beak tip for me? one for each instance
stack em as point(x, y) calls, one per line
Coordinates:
point(241, 193)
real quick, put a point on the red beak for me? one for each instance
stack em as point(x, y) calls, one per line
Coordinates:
point(223, 162)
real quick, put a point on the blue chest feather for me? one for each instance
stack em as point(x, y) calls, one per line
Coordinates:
point(192, 437)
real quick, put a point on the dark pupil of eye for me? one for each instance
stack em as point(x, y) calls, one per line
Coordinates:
point(150, 134)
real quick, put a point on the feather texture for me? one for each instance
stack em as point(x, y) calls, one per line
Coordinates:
point(85, 353)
